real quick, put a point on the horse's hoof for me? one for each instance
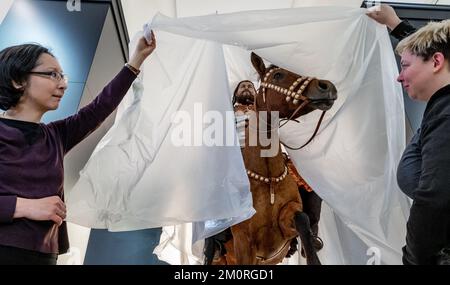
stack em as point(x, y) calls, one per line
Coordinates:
point(317, 244)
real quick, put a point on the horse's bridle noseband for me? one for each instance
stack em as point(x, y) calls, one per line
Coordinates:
point(296, 96)
point(291, 95)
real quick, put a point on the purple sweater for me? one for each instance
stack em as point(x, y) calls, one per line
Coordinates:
point(36, 170)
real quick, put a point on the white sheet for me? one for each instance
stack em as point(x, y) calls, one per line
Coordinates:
point(136, 178)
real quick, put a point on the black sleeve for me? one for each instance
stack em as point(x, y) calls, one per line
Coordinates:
point(75, 128)
point(403, 30)
point(428, 224)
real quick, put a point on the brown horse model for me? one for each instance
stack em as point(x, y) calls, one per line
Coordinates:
point(267, 236)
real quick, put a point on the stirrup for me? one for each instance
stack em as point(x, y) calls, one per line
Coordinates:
point(317, 243)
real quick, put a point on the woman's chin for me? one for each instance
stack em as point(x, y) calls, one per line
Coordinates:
point(53, 107)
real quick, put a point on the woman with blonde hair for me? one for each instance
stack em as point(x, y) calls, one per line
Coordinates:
point(423, 172)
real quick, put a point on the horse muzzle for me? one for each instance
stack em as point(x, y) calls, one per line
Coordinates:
point(322, 95)
point(322, 104)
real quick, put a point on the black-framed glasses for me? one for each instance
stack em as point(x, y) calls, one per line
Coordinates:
point(54, 75)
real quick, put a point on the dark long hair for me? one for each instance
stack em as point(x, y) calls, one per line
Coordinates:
point(15, 64)
point(237, 88)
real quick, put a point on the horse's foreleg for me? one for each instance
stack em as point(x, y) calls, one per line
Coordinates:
point(244, 246)
point(312, 205)
point(304, 229)
point(209, 251)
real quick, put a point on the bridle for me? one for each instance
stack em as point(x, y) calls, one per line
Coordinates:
point(296, 97)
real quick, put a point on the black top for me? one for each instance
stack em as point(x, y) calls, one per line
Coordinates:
point(423, 174)
point(428, 228)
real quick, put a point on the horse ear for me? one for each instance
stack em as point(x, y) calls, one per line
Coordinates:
point(258, 64)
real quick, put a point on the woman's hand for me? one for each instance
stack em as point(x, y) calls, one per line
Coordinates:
point(142, 51)
point(385, 15)
point(45, 209)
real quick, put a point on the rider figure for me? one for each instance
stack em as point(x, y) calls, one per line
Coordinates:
point(243, 102)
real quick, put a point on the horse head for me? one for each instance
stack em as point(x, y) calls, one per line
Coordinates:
point(291, 94)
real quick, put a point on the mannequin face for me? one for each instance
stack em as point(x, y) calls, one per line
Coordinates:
point(246, 93)
point(44, 92)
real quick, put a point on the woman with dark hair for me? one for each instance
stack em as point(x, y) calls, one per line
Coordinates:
point(32, 209)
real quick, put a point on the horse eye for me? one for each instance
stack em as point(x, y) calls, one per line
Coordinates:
point(278, 76)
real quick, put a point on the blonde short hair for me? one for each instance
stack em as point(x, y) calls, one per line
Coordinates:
point(432, 38)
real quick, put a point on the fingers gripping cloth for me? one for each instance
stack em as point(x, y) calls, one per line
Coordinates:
point(148, 32)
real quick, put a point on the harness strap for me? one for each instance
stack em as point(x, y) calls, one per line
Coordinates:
point(262, 260)
point(291, 94)
point(314, 134)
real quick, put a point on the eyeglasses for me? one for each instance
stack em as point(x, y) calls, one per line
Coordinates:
point(54, 75)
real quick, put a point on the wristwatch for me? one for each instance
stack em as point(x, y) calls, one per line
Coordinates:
point(133, 69)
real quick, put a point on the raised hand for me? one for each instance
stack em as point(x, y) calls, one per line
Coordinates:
point(385, 15)
point(142, 51)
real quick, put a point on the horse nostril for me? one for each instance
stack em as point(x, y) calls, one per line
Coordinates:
point(323, 86)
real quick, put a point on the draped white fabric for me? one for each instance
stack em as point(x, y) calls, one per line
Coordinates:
point(137, 178)
point(5, 5)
